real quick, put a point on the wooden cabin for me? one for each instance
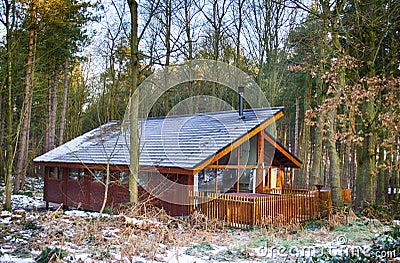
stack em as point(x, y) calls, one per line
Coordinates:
point(181, 156)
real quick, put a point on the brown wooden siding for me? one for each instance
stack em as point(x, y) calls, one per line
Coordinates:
point(87, 194)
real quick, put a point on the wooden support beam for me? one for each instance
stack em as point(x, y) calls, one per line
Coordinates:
point(231, 166)
point(216, 179)
point(281, 177)
point(260, 162)
point(238, 171)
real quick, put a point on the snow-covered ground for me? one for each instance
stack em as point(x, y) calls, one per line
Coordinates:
point(32, 234)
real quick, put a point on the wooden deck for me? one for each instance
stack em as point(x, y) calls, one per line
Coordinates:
point(246, 210)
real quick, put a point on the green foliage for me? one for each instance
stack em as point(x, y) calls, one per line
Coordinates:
point(358, 232)
point(51, 255)
point(199, 249)
point(314, 224)
point(32, 225)
point(101, 255)
point(259, 241)
point(385, 247)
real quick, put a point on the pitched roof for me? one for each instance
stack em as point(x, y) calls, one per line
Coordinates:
point(183, 141)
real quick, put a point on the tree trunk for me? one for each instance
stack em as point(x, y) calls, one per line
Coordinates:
point(134, 107)
point(168, 25)
point(334, 168)
point(53, 113)
point(23, 177)
point(21, 162)
point(296, 135)
point(380, 180)
point(106, 186)
point(316, 156)
point(366, 181)
point(47, 137)
point(3, 133)
point(64, 103)
point(9, 121)
point(188, 30)
point(238, 33)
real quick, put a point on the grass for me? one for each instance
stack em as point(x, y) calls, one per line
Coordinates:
point(358, 232)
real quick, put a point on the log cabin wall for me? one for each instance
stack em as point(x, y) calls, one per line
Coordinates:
point(84, 188)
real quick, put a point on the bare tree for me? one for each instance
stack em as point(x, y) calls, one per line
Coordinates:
point(134, 106)
point(8, 20)
point(22, 155)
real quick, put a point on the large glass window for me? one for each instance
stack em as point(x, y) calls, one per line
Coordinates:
point(144, 178)
point(73, 174)
point(52, 172)
point(76, 174)
point(81, 174)
point(97, 176)
point(124, 177)
point(60, 173)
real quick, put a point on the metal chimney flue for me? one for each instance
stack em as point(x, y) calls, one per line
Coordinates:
point(241, 91)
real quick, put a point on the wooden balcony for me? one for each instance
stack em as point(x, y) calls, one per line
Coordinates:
point(246, 210)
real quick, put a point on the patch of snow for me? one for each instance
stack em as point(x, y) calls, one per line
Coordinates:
point(178, 255)
point(10, 258)
point(79, 213)
point(5, 213)
point(27, 202)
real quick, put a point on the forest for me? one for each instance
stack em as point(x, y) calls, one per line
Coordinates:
point(68, 66)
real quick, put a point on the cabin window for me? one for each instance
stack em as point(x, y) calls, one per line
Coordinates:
point(76, 174)
point(81, 174)
point(124, 177)
point(53, 172)
point(60, 173)
point(144, 178)
point(73, 174)
point(97, 176)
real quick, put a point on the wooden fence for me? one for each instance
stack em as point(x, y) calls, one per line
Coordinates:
point(256, 210)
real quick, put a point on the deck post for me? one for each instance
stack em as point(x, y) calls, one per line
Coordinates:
point(238, 170)
point(260, 162)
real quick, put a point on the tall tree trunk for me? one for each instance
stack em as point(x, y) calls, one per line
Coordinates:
point(380, 180)
point(168, 25)
point(333, 12)
point(334, 168)
point(47, 137)
point(366, 181)
point(23, 176)
point(53, 113)
point(134, 107)
point(64, 103)
point(296, 135)
point(2, 134)
point(305, 138)
point(316, 156)
point(188, 29)
point(22, 155)
point(9, 119)
point(239, 32)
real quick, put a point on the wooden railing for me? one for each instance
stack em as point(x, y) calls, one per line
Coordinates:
point(245, 211)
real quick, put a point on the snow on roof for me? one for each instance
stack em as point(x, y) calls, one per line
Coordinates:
point(183, 141)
